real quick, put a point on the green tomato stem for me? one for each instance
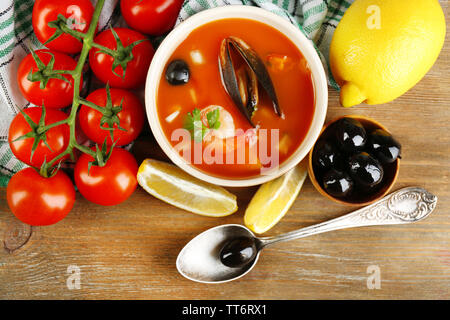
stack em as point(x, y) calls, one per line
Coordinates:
point(71, 72)
point(112, 53)
point(55, 160)
point(76, 74)
point(72, 32)
point(92, 105)
point(52, 125)
point(84, 149)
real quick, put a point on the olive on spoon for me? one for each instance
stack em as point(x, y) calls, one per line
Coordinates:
point(238, 252)
point(228, 252)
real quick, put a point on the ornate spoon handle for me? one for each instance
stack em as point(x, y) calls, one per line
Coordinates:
point(402, 206)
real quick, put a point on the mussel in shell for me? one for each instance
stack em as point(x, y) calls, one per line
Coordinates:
point(242, 83)
point(248, 88)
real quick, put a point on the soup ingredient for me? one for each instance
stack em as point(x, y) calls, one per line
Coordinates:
point(198, 123)
point(285, 143)
point(279, 62)
point(31, 142)
point(325, 155)
point(197, 57)
point(337, 183)
point(154, 17)
point(40, 201)
point(365, 169)
point(41, 83)
point(193, 123)
point(177, 72)
point(248, 88)
point(120, 121)
point(107, 184)
point(245, 100)
point(350, 134)
point(50, 16)
point(238, 252)
point(220, 120)
point(274, 198)
point(382, 48)
point(212, 118)
point(384, 146)
point(174, 186)
point(172, 116)
point(125, 62)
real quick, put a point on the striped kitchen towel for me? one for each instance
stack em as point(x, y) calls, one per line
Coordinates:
point(316, 18)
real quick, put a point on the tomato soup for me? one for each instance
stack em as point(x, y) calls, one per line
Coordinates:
point(195, 94)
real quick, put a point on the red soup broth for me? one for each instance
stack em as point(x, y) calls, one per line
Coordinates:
point(292, 81)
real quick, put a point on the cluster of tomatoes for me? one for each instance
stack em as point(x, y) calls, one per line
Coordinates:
point(35, 137)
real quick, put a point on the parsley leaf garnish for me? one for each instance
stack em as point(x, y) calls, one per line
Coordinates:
point(193, 123)
point(213, 119)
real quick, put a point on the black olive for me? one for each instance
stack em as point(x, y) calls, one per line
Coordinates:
point(384, 147)
point(365, 169)
point(238, 252)
point(337, 183)
point(177, 72)
point(350, 134)
point(325, 155)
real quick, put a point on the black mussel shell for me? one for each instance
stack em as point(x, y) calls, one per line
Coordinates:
point(238, 252)
point(246, 99)
point(326, 155)
point(365, 169)
point(248, 88)
point(383, 146)
point(350, 135)
point(337, 183)
point(177, 72)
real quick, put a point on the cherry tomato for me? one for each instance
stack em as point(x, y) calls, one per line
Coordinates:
point(154, 17)
point(57, 93)
point(136, 69)
point(40, 201)
point(57, 137)
point(108, 185)
point(79, 15)
point(131, 117)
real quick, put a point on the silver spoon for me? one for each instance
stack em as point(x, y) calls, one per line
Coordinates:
point(200, 259)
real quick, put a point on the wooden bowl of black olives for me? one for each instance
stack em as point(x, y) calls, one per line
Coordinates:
point(355, 161)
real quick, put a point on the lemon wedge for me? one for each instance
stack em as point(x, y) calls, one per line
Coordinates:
point(274, 198)
point(174, 186)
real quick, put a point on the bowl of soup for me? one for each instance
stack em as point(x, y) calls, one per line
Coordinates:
point(236, 95)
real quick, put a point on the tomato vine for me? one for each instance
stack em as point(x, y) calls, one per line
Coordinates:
point(122, 55)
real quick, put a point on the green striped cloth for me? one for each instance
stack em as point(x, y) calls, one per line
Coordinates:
point(15, 28)
point(316, 18)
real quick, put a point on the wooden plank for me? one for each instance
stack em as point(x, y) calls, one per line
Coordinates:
point(129, 251)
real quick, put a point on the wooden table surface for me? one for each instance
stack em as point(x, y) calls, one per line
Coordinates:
point(129, 251)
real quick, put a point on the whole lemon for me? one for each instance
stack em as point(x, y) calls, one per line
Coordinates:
point(382, 48)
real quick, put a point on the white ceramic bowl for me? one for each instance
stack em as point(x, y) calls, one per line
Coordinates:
point(176, 37)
